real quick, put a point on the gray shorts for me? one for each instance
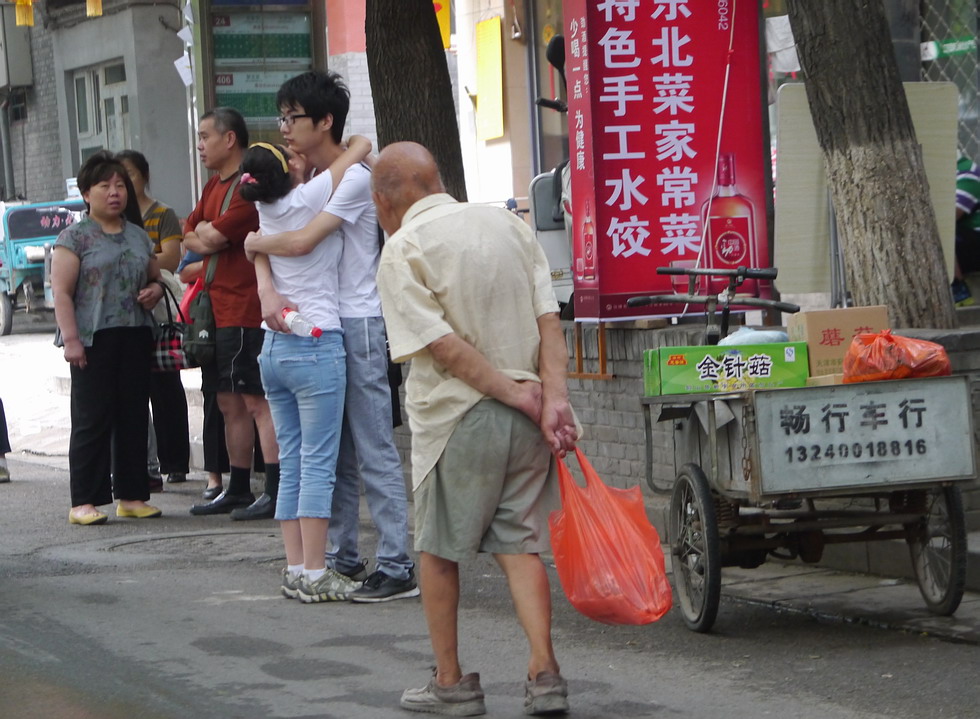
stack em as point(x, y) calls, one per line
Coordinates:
point(491, 491)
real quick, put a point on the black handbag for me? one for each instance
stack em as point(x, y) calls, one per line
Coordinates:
point(169, 354)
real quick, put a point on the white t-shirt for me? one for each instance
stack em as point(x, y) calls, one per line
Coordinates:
point(310, 282)
point(359, 264)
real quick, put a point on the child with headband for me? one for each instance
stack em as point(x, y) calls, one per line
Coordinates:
point(304, 376)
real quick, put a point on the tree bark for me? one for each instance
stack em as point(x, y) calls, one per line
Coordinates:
point(413, 95)
point(878, 183)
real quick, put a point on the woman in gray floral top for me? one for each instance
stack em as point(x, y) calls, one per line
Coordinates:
point(103, 273)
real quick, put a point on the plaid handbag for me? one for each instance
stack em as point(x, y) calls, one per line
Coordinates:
point(168, 346)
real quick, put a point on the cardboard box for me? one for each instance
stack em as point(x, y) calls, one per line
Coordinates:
point(828, 333)
point(822, 380)
point(689, 370)
point(651, 373)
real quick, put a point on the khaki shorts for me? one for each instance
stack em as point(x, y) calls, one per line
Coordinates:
point(491, 491)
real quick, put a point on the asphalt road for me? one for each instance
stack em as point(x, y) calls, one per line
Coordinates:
point(180, 617)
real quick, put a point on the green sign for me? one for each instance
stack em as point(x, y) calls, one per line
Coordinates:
point(251, 92)
point(260, 38)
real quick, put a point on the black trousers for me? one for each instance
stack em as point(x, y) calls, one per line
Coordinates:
point(109, 418)
point(4, 438)
point(170, 422)
point(967, 247)
point(215, 449)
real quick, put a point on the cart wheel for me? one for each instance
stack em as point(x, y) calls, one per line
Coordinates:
point(938, 547)
point(6, 313)
point(694, 546)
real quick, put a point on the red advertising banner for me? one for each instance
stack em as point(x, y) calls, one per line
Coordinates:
point(666, 138)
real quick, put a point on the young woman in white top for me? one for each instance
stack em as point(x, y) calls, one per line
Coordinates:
point(304, 376)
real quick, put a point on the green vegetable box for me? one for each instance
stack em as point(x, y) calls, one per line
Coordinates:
point(693, 370)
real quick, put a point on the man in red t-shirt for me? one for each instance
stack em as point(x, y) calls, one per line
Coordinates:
point(234, 375)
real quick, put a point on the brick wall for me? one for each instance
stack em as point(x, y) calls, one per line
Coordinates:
point(353, 68)
point(36, 144)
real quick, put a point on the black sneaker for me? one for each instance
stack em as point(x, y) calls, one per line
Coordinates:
point(379, 587)
point(358, 573)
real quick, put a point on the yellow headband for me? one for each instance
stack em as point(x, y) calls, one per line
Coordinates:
point(275, 151)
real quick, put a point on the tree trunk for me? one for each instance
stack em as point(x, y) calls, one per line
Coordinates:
point(413, 95)
point(878, 184)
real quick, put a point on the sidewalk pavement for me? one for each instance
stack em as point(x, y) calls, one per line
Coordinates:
point(34, 387)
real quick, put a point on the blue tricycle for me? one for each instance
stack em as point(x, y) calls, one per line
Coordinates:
point(25, 231)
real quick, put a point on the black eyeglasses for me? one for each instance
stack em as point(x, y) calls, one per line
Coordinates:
point(288, 120)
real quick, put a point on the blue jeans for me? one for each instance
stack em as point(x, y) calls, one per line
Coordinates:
point(305, 379)
point(368, 453)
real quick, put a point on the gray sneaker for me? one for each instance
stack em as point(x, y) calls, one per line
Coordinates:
point(290, 584)
point(547, 693)
point(331, 587)
point(463, 699)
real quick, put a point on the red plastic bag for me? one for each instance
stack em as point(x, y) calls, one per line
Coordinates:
point(189, 294)
point(607, 553)
point(873, 357)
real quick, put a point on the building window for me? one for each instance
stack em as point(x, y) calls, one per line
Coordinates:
point(101, 109)
point(82, 104)
point(18, 105)
point(114, 74)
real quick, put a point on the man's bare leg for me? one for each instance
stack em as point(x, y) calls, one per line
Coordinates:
point(440, 602)
point(531, 593)
point(239, 432)
point(258, 409)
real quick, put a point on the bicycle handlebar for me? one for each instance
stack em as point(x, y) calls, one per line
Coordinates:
point(754, 273)
point(702, 299)
point(557, 105)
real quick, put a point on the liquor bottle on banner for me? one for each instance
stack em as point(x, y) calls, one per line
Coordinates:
point(585, 259)
point(729, 229)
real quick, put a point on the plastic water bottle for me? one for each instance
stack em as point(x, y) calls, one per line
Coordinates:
point(298, 324)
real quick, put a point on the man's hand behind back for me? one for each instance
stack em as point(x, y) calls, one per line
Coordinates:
point(558, 425)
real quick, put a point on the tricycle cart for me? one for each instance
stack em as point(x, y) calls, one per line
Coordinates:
point(785, 472)
point(25, 230)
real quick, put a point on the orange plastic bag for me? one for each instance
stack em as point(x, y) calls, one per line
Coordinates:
point(873, 357)
point(607, 553)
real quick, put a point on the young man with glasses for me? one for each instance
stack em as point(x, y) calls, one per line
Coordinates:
point(313, 110)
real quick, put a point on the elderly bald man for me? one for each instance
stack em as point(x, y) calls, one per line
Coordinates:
point(466, 295)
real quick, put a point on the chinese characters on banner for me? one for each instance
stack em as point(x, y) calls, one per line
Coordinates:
point(646, 80)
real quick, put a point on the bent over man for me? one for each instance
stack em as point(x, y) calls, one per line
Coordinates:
point(466, 295)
